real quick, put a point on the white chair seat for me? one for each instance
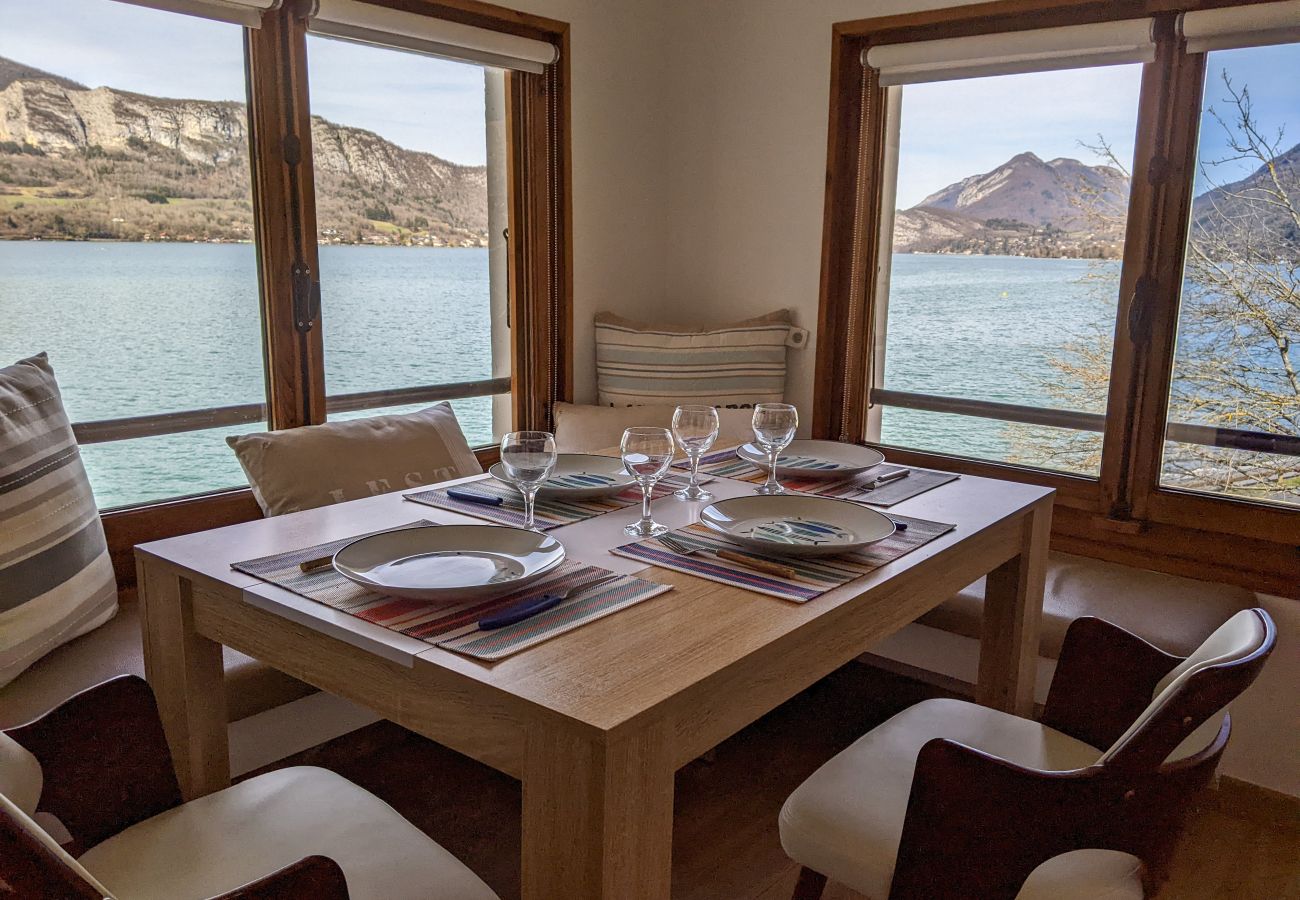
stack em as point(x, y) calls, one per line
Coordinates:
point(846, 820)
point(219, 842)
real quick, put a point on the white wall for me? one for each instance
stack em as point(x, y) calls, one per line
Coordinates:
point(750, 88)
point(619, 158)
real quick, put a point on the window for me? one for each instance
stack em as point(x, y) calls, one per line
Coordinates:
point(1235, 384)
point(408, 194)
point(126, 231)
point(997, 303)
point(1137, 352)
point(163, 240)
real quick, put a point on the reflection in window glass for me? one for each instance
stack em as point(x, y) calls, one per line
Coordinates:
point(1006, 259)
point(126, 229)
point(401, 146)
point(1235, 375)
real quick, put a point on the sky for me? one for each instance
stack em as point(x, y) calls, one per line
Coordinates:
point(414, 101)
point(952, 129)
point(949, 130)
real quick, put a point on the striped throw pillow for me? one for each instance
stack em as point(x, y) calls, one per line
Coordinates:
point(735, 365)
point(56, 579)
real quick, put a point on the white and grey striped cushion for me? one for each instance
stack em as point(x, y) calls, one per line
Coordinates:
point(735, 365)
point(56, 579)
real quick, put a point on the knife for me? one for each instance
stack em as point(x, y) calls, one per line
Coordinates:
point(472, 497)
point(885, 479)
point(527, 608)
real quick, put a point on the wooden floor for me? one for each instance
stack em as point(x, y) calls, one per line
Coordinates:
point(725, 844)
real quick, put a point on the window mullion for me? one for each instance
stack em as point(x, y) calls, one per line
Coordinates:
point(1147, 319)
point(285, 215)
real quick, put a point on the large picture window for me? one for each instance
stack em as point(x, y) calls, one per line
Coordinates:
point(1237, 367)
point(998, 298)
point(1063, 248)
point(126, 236)
point(192, 274)
point(408, 196)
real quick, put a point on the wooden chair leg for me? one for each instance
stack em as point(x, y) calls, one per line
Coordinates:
point(809, 886)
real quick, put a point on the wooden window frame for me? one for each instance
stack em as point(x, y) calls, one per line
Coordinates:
point(540, 254)
point(1125, 514)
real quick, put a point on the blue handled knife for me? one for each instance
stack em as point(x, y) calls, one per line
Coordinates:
point(472, 497)
point(532, 606)
point(520, 611)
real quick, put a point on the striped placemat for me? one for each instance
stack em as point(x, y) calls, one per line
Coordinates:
point(814, 576)
point(727, 464)
point(454, 625)
point(548, 513)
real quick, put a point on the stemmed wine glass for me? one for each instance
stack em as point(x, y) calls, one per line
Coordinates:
point(528, 458)
point(774, 427)
point(647, 454)
point(696, 428)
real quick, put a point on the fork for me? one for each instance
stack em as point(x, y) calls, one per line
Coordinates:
point(534, 605)
point(760, 565)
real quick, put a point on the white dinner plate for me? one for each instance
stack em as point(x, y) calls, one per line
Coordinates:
point(578, 476)
point(816, 459)
point(797, 524)
point(449, 562)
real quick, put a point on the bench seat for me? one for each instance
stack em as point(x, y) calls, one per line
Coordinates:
point(115, 648)
point(1174, 613)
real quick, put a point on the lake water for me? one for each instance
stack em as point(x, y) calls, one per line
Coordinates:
point(987, 328)
point(137, 329)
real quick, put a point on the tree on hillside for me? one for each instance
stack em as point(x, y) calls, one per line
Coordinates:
point(1236, 364)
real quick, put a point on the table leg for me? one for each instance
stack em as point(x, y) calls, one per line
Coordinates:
point(598, 815)
point(1013, 608)
point(186, 673)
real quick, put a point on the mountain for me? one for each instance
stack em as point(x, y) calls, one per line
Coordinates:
point(1240, 214)
point(1062, 193)
point(1061, 207)
point(77, 162)
point(11, 71)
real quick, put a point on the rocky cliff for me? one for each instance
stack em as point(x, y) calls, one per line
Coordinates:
point(104, 163)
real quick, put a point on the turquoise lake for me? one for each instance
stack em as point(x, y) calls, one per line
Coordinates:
point(138, 329)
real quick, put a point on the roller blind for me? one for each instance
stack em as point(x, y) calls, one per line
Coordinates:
point(1071, 47)
point(1242, 26)
point(240, 12)
point(366, 23)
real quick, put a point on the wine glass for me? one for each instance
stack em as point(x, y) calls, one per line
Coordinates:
point(528, 458)
point(647, 454)
point(696, 428)
point(774, 427)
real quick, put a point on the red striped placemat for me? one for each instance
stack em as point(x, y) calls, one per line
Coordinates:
point(454, 625)
point(814, 576)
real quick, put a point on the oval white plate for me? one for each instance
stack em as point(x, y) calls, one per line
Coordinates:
point(816, 459)
point(449, 562)
point(797, 524)
point(578, 476)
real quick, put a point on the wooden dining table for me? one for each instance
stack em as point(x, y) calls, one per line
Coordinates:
point(593, 722)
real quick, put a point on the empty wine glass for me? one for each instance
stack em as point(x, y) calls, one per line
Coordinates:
point(774, 427)
point(696, 428)
point(647, 454)
point(528, 458)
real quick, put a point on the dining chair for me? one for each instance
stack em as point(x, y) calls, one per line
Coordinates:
point(949, 799)
point(100, 765)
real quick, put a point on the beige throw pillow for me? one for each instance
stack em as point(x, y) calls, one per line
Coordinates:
point(739, 364)
point(316, 465)
point(589, 429)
